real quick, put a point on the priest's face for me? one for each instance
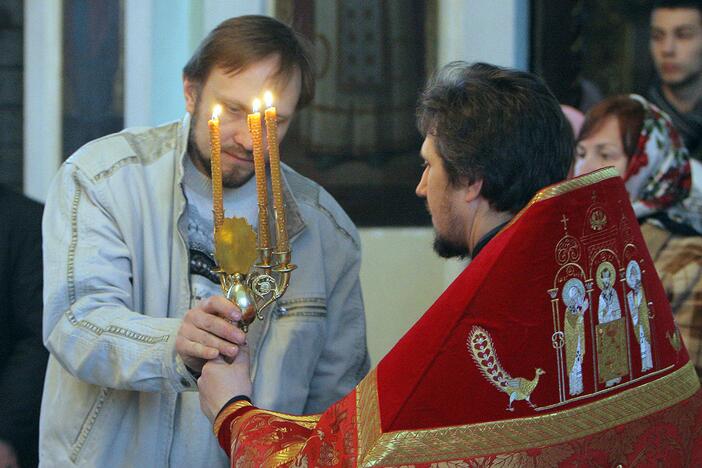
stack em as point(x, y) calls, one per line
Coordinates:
point(235, 93)
point(444, 203)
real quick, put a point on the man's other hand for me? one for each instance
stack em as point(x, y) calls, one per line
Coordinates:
point(221, 381)
point(208, 331)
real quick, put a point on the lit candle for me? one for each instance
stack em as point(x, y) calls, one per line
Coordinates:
point(216, 167)
point(274, 158)
point(254, 122)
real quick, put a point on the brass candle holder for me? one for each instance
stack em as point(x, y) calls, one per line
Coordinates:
point(252, 275)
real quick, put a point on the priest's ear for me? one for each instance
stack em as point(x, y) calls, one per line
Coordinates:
point(472, 190)
point(191, 91)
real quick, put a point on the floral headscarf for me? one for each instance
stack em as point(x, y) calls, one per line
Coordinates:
point(660, 176)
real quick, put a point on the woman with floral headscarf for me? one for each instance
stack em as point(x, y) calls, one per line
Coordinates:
point(665, 188)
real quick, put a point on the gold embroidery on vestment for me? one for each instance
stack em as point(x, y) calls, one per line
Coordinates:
point(472, 440)
point(612, 360)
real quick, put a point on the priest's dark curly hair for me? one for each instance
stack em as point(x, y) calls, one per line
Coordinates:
point(500, 125)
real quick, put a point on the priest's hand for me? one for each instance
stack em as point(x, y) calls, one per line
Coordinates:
point(208, 331)
point(221, 381)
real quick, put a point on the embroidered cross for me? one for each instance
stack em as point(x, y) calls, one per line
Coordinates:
point(564, 220)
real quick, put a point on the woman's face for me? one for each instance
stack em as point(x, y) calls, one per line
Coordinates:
point(601, 149)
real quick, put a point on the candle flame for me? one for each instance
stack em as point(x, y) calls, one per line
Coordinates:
point(216, 111)
point(256, 105)
point(268, 97)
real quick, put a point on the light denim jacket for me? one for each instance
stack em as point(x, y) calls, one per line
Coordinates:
point(116, 279)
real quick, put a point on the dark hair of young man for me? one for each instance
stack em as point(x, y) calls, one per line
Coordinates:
point(694, 4)
point(629, 114)
point(500, 125)
point(239, 42)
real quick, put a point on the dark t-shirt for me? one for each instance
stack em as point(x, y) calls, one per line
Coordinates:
point(688, 124)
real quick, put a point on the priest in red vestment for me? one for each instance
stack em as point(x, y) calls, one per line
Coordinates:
point(555, 346)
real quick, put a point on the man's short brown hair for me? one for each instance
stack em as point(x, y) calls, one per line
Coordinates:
point(239, 42)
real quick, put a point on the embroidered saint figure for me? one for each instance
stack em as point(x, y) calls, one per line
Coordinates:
point(638, 308)
point(574, 331)
point(611, 345)
point(609, 309)
point(483, 352)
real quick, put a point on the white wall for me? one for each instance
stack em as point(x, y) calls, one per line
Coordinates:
point(42, 95)
point(493, 31)
point(401, 277)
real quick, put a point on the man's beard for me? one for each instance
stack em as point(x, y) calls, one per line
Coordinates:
point(233, 179)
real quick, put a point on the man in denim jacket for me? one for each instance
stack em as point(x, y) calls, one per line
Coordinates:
point(132, 307)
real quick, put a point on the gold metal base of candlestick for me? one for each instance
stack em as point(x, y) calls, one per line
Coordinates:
point(250, 290)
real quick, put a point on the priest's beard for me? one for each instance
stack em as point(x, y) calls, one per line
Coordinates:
point(446, 248)
point(449, 244)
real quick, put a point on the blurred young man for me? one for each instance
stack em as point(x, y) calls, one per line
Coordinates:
point(676, 48)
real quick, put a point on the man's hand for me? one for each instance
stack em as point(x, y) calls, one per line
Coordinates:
point(208, 331)
point(7, 456)
point(221, 381)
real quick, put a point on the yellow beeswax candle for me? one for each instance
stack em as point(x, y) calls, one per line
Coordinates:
point(274, 158)
point(255, 128)
point(216, 167)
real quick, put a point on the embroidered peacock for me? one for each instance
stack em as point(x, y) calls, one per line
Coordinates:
point(483, 352)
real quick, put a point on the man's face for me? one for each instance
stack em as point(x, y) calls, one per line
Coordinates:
point(235, 93)
point(443, 202)
point(676, 45)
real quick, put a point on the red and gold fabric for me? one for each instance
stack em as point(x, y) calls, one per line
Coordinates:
point(556, 346)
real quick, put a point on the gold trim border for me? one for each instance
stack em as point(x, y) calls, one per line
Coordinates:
point(224, 414)
point(367, 415)
point(308, 421)
point(574, 184)
point(565, 187)
point(472, 440)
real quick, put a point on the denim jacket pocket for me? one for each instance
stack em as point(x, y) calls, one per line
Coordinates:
point(89, 423)
point(289, 354)
point(301, 307)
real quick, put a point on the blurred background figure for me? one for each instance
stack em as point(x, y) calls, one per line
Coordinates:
point(665, 188)
point(575, 118)
point(676, 49)
point(22, 353)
